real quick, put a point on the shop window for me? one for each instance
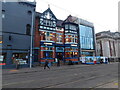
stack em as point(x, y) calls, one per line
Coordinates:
point(3, 58)
point(21, 57)
point(47, 54)
point(28, 29)
point(71, 52)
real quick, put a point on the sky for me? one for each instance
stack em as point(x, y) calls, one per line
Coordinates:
point(102, 13)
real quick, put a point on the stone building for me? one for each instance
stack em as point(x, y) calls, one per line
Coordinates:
point(108, 44)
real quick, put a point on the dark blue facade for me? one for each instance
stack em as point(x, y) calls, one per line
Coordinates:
point(16, 31)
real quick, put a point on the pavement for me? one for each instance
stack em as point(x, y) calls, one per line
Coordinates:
point(111, 84)
point(38, 69)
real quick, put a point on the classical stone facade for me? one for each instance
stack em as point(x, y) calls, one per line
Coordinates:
point(108, 44)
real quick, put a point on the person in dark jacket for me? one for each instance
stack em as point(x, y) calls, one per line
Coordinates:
point(109, 60)
point(58, 63)
point(46, 64)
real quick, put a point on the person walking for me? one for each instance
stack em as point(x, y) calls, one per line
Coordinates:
point(109, 60)
point(46, 64)
point(58, 63)
point(17, 64)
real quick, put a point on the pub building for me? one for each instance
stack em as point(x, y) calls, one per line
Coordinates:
point(71, 40)
point(66, 40)
point(49, 37)
point(59, 45)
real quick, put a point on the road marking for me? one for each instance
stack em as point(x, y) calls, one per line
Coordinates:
point(101, 84)
point(71, 82)
point(18, 82)
point(116, 84)
point(75, 74)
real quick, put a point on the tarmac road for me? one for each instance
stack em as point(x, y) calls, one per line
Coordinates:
point(74, 76)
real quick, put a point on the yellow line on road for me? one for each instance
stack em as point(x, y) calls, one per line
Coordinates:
point(116, 84)
point(101, 84)
point(13, 70)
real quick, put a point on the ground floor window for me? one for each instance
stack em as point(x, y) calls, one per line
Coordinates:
point(21, 57)
point(71, 52)
point(3, 58)
point(59, 55)
point(47, 51)
point(47, 54)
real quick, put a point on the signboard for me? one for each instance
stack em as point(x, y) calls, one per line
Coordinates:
point(59, 49)
point(21, 61)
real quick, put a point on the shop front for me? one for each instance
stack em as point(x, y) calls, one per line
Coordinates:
point(47, 51)
point(60, 53)
point(3, 59)
point(8, 60)
point(22, 58)
point(71, 54)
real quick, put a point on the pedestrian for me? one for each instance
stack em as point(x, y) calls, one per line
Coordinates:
point(58, 63)
point(46, 64)
point(109, 60)
point(101, 61)
point(17, 64)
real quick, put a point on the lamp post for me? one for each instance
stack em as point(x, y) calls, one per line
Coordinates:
point(31, 43)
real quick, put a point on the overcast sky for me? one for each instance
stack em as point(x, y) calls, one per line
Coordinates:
point(103, 13)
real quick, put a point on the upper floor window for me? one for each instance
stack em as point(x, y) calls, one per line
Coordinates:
point(29, 12)
point(59, 37)
point(3, 13)
point(48, 36)
point(66, 26)
point(86, 37)
point(28, 29)
point(72, 27)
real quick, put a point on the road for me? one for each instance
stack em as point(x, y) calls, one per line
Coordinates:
point(75, 76)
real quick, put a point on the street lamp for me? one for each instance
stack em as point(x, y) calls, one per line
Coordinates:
point(31, 44)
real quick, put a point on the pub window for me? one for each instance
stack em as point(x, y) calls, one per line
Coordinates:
point(66, 26)
point(28, 27)
point(47, 54)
